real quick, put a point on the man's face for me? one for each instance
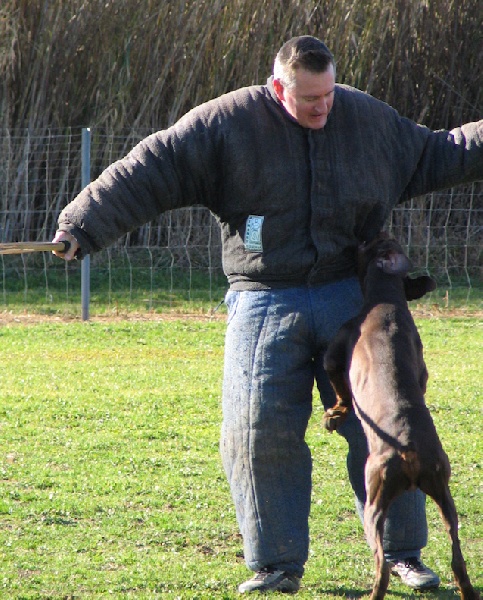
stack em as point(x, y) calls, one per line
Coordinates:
point(310, 100)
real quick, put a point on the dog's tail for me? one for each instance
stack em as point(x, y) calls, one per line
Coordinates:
point(411, 465)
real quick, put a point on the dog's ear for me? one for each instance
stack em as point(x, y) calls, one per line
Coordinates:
point(418, 286)
point(394, 263)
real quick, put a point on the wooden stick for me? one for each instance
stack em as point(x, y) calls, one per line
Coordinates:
point(25, 247)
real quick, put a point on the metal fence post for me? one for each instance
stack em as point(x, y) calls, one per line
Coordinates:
point(86, 261)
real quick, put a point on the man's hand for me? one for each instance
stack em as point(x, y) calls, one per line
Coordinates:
point(62, 236)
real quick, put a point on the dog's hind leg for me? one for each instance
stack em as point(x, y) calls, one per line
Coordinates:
point(375, 512)
point(439, 491)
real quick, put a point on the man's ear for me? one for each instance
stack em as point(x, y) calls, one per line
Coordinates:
point(278, 87)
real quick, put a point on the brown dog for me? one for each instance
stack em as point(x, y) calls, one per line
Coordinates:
point(375, 363)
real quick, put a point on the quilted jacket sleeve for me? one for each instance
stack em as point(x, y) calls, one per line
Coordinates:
point(448, 158)
point(170, 169)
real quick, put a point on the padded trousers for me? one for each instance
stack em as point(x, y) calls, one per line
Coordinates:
point(275, 343)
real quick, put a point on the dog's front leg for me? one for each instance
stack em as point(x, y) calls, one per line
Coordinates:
point(335, 416)
point(335, 364)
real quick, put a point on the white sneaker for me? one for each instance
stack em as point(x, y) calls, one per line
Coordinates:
point(414, 574)
point(271, 580)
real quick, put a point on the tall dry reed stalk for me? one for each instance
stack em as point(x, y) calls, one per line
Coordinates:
point(138, 65)
point(142, 63)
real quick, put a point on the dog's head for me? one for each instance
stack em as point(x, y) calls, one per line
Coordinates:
point(385, 253)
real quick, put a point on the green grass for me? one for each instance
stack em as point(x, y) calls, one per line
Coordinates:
point(122, 288)
point(114, 290)
point(111, 484)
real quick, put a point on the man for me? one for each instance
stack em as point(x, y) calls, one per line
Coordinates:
point(298, 172)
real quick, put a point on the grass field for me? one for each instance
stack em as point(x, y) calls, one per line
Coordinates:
point(111, 484)
point(117, 291)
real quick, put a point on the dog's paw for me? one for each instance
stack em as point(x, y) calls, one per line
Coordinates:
point(334, 417)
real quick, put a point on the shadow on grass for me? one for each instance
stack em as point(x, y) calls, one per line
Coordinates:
point(406, 594)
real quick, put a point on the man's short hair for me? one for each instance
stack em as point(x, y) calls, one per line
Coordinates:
point(302, 52)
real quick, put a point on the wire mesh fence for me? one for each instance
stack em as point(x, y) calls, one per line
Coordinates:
point(178, 256)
